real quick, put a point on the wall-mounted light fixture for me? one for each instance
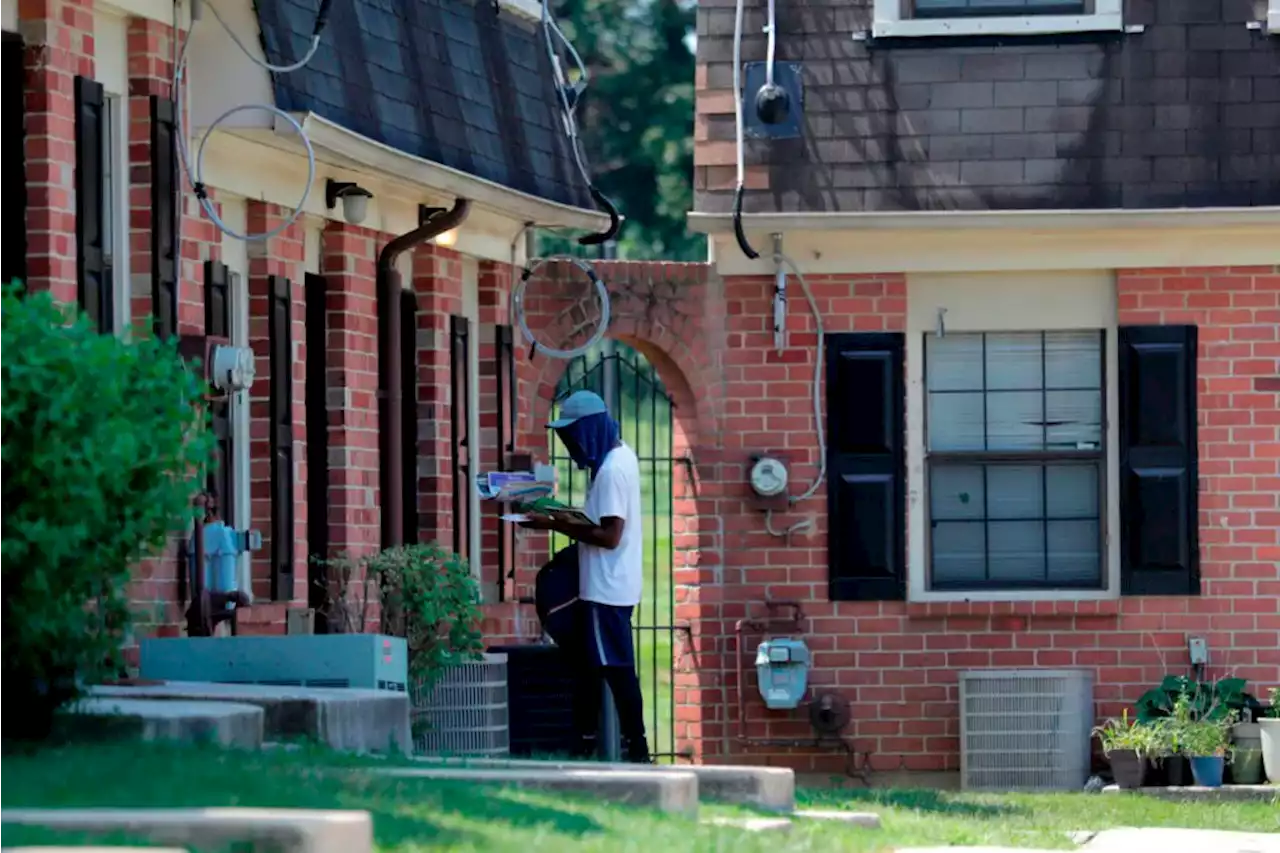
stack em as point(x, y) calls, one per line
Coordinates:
point(446, 238)
point(355, 199)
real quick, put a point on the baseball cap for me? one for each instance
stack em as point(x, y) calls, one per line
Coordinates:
point(578, 405)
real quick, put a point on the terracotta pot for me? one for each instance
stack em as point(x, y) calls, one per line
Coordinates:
point(1128, 768)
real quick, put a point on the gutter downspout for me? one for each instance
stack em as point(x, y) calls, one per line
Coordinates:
point(390, 399)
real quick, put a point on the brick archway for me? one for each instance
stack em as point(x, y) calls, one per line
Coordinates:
point(673, 315)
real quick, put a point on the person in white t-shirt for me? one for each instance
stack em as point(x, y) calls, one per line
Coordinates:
point(610, 562)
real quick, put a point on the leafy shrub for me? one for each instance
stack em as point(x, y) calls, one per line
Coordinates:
point(427, 596)
point(1142, 738)
point(102, 448)
point(1204, 700)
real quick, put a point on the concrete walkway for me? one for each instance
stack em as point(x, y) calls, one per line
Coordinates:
point(1135, 840)
point(772, 788)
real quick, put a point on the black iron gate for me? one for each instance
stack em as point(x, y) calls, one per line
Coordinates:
point(637, 399)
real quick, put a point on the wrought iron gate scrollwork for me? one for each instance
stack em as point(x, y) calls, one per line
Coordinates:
point(640, 403)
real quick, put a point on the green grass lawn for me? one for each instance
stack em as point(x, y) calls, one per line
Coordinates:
point(412, 815)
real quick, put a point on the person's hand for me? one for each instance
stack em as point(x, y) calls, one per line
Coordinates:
point(538, 521)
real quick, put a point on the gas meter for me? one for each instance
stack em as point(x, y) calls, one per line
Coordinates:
point(782, 672)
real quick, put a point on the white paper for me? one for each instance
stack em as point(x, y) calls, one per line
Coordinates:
point(515, 517)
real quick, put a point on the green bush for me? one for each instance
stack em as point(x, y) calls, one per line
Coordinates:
point(102, 454)
point(430, 598)
point(427, 595)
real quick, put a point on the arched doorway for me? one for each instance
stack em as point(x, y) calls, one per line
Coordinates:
point(643, 407)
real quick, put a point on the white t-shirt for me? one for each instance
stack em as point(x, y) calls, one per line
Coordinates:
point(614, 577)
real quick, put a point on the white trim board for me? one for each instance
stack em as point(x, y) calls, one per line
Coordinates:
point(1008, 302)
point(890, 22)
point(849, 243)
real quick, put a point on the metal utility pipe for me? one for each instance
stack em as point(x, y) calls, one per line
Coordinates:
point(390, 398)
point(761, 626)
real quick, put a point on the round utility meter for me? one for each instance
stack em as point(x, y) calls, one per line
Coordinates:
point(768, 477)
point(233, 368)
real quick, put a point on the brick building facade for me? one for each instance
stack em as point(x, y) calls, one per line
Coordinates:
point(891, 611)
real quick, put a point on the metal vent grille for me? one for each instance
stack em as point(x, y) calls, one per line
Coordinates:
point(1025, 729)
point(465, 712)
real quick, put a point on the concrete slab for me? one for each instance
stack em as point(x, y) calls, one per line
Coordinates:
point(1229, 793)
point(226, 723)
point(96, 850)
point(974, 850)
point(867, 820)
point(751, 824)
point(350, 720)
point(1182, 841)
point(674, 792)
point(772, 788)
point(282, 830)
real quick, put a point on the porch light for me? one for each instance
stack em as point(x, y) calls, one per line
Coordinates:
point(355, 199)
point(448, 238)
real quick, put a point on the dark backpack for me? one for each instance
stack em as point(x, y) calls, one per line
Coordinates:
point(556, 596)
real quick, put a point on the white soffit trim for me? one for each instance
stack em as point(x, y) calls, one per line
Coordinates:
point(958, 241)
point(891, 21)
point(531, 9)
point(327, 136)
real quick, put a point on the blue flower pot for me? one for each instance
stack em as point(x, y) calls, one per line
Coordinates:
point(1207, 770)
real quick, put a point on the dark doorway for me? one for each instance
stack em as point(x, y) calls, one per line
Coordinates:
point(15, 161)
point(317, 449)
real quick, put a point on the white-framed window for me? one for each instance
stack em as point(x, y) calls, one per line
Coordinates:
point(908, 18)
point(1013, 462)
point(111, 49)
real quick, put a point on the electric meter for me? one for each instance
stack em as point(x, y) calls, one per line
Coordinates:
point(768, 477)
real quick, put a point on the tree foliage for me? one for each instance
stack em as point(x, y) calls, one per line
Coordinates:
point(103, 447)
point(637, 119)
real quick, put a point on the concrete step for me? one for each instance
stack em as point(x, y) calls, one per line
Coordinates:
point(772, 788)
point(1230, 793)
point(280, 830)
point(751, 824)
point(348, 720)
point(226, 723)
point(674, 791)
point(867, 820)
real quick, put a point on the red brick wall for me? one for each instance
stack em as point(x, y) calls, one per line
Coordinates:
point(59, 46)
point(896, 663)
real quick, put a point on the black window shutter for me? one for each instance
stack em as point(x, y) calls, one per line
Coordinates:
point(164, 222)
point(93, 281)
point(280, 331)
point(866, 465)
point(459, 334)
point(409, 411)
point(14, 257)
point(1159, 481)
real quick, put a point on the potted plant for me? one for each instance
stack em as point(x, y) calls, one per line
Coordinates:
point(1207, 744)
point(1269, 729)
point(1246, 752)
point(1127, 745)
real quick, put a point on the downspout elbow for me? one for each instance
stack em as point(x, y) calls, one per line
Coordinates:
point(429, 230)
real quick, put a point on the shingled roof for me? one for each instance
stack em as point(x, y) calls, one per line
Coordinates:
point(457, 82)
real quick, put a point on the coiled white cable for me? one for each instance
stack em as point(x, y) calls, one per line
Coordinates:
point(195, 176)
point(517, 307)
